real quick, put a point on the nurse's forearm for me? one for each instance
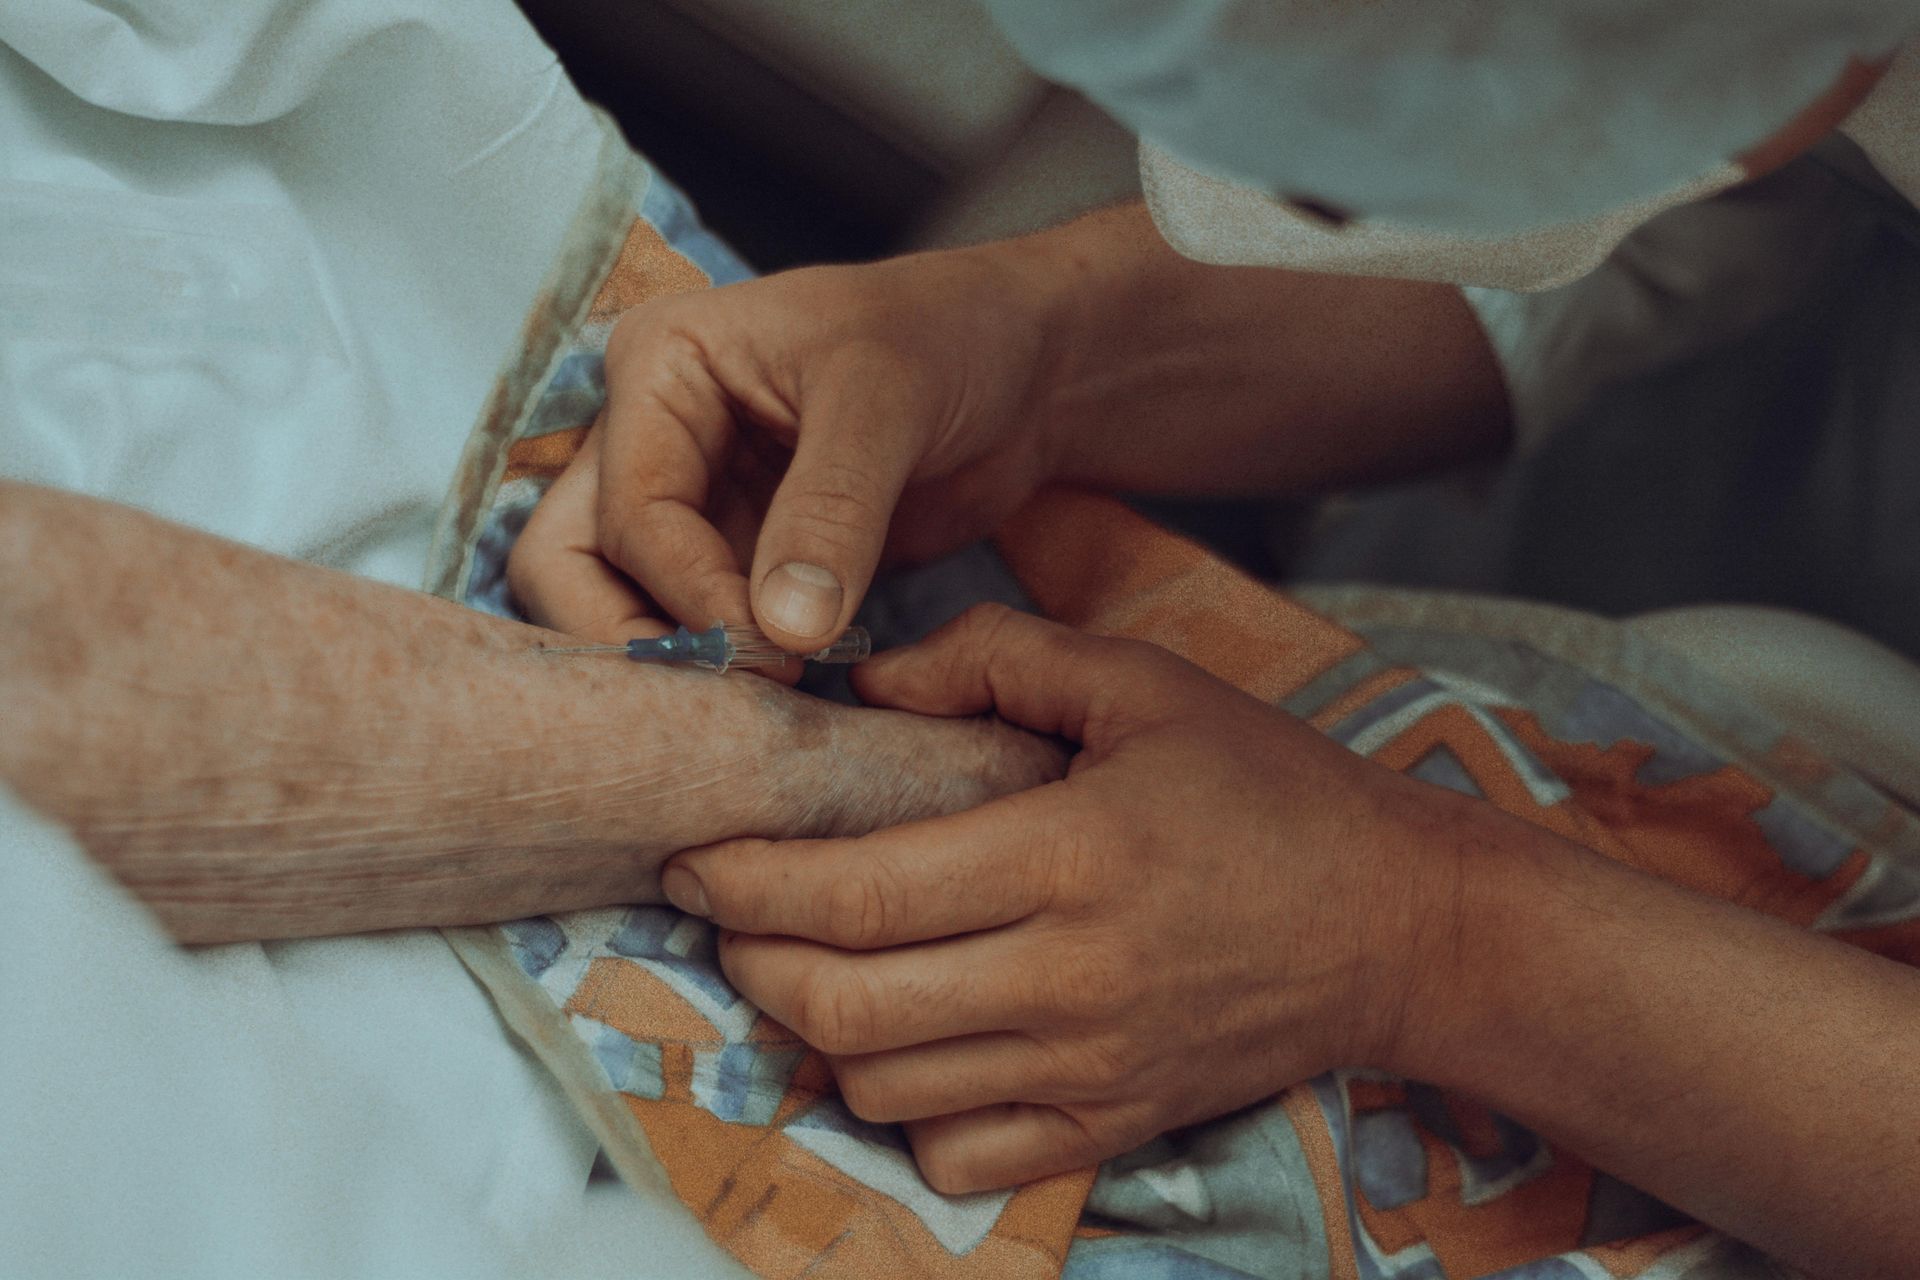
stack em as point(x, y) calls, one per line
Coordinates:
point(1758, 1076)
point(1171, 376)
point(263, 748)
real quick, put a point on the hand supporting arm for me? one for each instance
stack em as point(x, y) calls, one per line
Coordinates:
point(1218, 902)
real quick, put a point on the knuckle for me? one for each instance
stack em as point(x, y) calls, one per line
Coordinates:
point(709, 590)
point(1093, 982)
point(989, 617)
point(648, 537)
point(1072, 1066)
point(859, 913)
point(1012, 626)
point(1126, 1125)
point(646, 329)
point(664, 369)
point(838, 505)
point(866, 1095)
point(835, 1012)
point(617, 524)
point(1069, 649)
point(1079, 857)
point(1111, 1062)
point(735, 886)
point(1099, 1132)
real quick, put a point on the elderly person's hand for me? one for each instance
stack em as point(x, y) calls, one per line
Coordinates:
point(1216, 902)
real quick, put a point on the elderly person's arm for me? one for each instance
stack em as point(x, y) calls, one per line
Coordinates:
point(263, 748)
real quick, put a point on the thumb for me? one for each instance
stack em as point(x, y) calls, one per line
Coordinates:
point(823, 534)
point(1038, 674)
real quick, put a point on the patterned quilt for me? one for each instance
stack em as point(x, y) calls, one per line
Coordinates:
point(1563, 719)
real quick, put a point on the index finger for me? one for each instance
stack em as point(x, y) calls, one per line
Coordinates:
point(913, 883)
point(667, 432)
point(555, 568)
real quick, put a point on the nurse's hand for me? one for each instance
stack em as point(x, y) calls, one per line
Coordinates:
point(757, 438)
point(764, 443)
point(1215, 903)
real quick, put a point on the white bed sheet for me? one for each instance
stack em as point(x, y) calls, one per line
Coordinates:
point(259, 263)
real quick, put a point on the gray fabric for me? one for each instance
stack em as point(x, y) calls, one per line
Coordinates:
point(1726, 411)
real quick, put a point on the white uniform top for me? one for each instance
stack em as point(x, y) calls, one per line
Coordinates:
point(1568, 316)
point(259, 264)
point(1673, 299)
point(1549, 343)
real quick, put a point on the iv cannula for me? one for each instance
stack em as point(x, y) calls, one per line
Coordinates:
point(720, 647)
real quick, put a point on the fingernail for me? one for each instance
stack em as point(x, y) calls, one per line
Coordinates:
point(684, 891)
point(801, 598)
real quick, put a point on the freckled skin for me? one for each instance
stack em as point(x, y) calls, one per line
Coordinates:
point(262, 748)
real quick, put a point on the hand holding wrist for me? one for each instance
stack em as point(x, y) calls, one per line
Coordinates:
point(1217, 902)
